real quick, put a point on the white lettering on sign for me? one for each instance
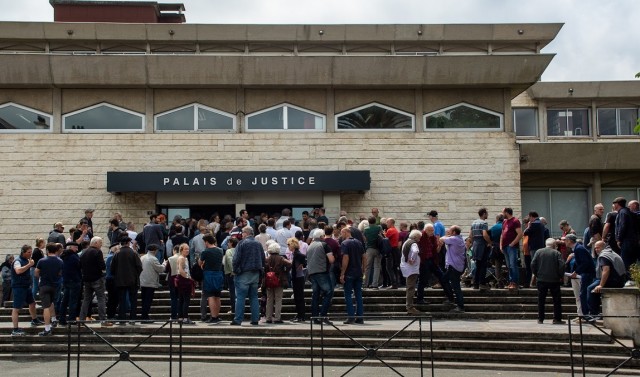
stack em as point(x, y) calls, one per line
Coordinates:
point(283, 181)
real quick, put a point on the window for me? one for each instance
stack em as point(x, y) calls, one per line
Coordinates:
point(375, 117)
point(16, 118)
point(568, 122)
point(617, 121)
point(195, 118)
point(285, 117)
point(525, 122)
point(103, 118)
point(463, 117)
point(559, 204)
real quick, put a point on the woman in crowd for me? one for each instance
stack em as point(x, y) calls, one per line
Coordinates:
point(299, 264)
point(185, 285)
point(263, 237)
point(279, 266)
point(172, 275)
point(228, 272)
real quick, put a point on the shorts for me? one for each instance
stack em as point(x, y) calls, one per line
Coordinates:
point(47, 295)
point(22, 296)
point(212, 283)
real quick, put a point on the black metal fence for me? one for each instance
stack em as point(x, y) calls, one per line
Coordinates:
point(631, 353)
point(372, 352)
point(79, 328)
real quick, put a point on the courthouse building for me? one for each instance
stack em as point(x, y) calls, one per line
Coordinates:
point(161, 115)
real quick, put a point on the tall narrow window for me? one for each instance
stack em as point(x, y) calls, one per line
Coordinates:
point(103, 117)
point(285, 117)
point(195, 118)
point(375, 117)
point(525, 122)
point(463, 117)
point(16, 118)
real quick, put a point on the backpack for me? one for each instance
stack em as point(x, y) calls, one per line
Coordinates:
point(384, 246)
point(196, 272)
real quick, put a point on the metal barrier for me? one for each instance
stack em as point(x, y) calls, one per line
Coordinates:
point(123, 355)
point(372, 352)
point(634, 353)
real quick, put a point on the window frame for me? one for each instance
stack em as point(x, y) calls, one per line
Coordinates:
point(412, 116)
point(195, 128)
point(617, 109)
point(128, 131)
point(499, 115)
point(567, 109)
point(535, 120)
point(19, 130)
point(285, 118)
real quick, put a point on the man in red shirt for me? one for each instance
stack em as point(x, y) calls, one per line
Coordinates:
point(509, 245)
point(393, 262)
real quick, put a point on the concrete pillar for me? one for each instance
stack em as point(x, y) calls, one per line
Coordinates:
point(149, 110)
point(56, 127)
point(508, 115)
point(331, 203)
point(419, 111)
point(331, 111)
point(596, 195)
point(542, 121)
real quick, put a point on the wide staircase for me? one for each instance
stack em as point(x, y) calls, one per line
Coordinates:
point(497, 331)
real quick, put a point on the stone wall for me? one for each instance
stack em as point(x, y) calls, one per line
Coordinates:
point(54, 177)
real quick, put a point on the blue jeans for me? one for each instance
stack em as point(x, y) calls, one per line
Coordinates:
point(511, 254)
point(70, 299)
point(593, 299)
point(320, 285)
point(585, 282)
point(453, 276)
point(351, 285)
point(247, 286)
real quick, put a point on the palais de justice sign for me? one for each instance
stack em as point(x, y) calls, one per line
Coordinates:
point(353, 180)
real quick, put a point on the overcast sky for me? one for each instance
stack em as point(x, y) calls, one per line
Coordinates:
point(599, 41)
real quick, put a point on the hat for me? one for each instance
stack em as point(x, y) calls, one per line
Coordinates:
point(89, 210)
point(571, 237)
point(433, 213)
point(71, 244)
point(114, 245)
point(620, 200)
point(124, 240)
point(274, 248)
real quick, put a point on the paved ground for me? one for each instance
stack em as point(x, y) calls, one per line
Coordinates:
point(89, 368)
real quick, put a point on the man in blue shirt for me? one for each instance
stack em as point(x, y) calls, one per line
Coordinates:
point(438, 227)
point(498, 258)
point(584, 267)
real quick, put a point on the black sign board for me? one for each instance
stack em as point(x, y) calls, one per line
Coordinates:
point(352, 180)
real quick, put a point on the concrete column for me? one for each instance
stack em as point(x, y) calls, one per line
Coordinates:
point(149, 111)
point(419, 111)
point(594, 122)
point(240, 114)
point(508, 116)
point(331, 203)
point(596, 195)
point(331, 111)
point(542, 121)
point(56, 99)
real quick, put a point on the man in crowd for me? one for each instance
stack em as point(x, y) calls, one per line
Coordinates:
point(535, 233)
point(371, 236)
point(626, 233)
point(393, 263)
point(21, 287)
point(610, 273)
point(48, 271)
point(153, 233)
point(454, 264)
point(149, 279)
point(584, 271)
point(548, 269)
point(495, 232)
point(56, 235)
point(71, 282)
point(126, 268)
point(595, 225)
point(93, 268)
point(353, 262)
point(429, 249)
point(509, 241)
point(319, 260)
point(481, 248)
point(88, 216)
point(283, 234)
point(248, 263)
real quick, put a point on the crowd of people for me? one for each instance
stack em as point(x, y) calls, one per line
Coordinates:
point(255, 259)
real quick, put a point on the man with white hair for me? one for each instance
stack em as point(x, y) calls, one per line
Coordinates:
point(547, 267)
point(319, 259)
point(410, 267)
point(93, 268)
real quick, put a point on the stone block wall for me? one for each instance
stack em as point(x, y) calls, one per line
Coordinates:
point(54, 177)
